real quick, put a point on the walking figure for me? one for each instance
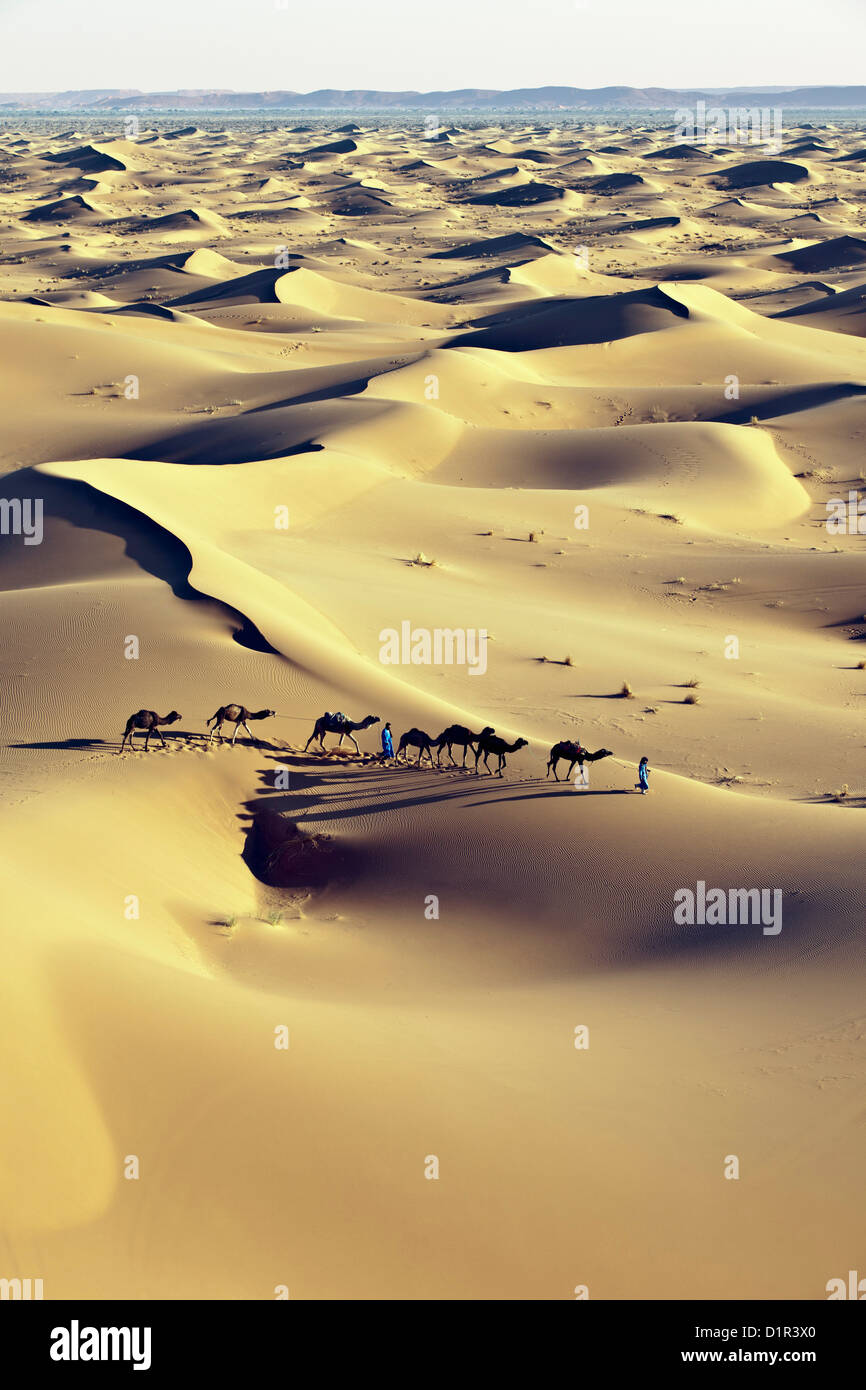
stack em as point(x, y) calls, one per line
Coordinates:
point(643, 776)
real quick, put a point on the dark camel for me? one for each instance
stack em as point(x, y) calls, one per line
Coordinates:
point(149, 720)
point(237, 715)
point(463, 737)
point(490, 743)
point(326, 724)
point(416, 738)
point(574, 754)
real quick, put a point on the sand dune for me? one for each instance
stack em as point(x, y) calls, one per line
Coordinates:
point(763, 171)
point(280, 390)
point(75, 208)
point(838, 253)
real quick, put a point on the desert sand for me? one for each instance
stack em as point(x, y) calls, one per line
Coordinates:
point(279, 391)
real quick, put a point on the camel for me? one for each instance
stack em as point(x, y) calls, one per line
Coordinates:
point(490, 743)
point(416, 738)
point(463, 737)
point(149, 720)
point(237, 715)
point(575, 754)
point(329, 724)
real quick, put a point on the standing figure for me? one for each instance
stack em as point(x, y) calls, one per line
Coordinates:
point(643, 776)
point(387, 743)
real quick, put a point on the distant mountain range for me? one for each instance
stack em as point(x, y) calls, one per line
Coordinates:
point(467, 98)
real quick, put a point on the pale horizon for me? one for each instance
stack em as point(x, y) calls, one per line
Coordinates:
point(382, 46)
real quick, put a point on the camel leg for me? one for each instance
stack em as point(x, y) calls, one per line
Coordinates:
point(340, 744)
point(486, 763)
point(502, 764)
point(352, 737)
point(161, 739)
point(549, 766)
point(125, 737)
point(477, 756)
point(217, 729)
point(252, 740)
point(147, 740)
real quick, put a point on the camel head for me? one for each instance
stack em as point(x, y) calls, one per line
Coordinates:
point(487, 731)
point(603, 753)
point(171, 718)
point(370, 719)
point(521, 743)
point(263, 714)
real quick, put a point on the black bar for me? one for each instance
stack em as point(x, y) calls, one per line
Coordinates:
point(236, 1338)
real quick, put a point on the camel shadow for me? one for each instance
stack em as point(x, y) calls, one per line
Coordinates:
point(827, 799)
point(331, 790)
point(68, 744)
point(328, 792)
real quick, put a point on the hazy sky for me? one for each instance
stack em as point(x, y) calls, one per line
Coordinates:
point(251, 45)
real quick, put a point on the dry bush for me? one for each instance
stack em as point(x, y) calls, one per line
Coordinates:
point(818, 475)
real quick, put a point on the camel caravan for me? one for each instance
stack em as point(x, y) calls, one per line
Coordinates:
point(481, 744)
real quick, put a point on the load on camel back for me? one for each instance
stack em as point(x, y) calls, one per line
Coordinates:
point(338, 723)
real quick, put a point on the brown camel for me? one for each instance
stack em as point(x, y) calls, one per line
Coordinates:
point(237, 715)
point(463, 737)
point(147, 720)
point(490, 743)
point(574, 754)
point(416, 738)
point(330, 724)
